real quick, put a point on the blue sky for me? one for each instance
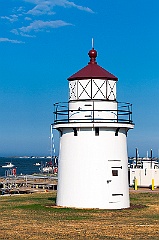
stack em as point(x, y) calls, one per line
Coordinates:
point(42, 43)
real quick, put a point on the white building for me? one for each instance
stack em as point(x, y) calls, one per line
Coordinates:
point(144, 173)
point(93, 128)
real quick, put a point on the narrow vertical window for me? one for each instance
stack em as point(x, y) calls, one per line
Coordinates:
point(75, 131)
point(96, 131)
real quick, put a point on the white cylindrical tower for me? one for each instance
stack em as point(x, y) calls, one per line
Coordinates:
point(93, 126)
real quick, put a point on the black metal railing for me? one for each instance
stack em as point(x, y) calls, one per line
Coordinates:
point(62, 114)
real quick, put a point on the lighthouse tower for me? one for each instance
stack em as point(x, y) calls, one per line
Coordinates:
point(93, 126)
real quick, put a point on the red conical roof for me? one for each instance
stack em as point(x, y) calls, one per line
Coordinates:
point(93, 70)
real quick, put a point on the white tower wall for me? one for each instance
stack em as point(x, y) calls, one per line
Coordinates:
point(92, 110)
point(87, 164)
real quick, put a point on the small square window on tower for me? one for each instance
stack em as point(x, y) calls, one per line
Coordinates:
point(114, 172)
point(96, 131)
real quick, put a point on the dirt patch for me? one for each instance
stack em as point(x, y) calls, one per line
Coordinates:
point(137, 206)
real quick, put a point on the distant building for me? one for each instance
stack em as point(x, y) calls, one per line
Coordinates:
point(144, 171)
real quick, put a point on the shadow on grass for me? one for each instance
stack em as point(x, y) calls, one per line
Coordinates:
point(52, 199)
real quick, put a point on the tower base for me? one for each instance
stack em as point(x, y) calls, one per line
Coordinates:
point(93, 168)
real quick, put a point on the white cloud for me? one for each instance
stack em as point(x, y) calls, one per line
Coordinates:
point(10, 40)
point(39, 25)
point(15, 31)
point(31, 9)
point(41, 9)
point(20, 9)
point(27, 35)
point(27, 18)
point(72, 4)
point(46, 7)
point(11, 18)
point(14, 16)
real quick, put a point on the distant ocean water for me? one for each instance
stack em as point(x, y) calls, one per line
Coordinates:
point(22, 165)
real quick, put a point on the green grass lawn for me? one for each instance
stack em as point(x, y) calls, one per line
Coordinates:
point(35, 216)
